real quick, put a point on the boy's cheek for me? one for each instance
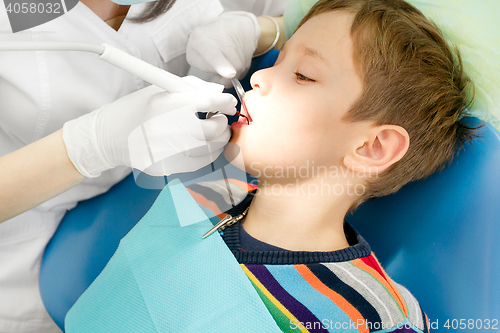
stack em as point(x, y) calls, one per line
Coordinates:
point(271, 103)
point(280, 116)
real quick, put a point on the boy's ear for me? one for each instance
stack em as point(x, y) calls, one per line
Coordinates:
point(384, 146)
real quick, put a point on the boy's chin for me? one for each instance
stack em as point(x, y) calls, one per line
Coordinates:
point(238, 137)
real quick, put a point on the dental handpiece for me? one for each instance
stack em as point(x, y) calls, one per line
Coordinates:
point(121, 59)
point(114, 56)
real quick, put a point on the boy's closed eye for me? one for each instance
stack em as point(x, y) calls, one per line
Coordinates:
point(302, 77)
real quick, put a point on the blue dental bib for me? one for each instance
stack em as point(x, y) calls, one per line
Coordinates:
point(164, 278)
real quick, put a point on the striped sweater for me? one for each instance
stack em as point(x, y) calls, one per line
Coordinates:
point(339, 291)
point(345, 290)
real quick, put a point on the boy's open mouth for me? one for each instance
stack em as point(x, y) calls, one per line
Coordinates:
point(242, 121)
point(244, 112)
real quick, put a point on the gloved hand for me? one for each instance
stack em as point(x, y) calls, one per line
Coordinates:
point(224, 46)
point(152, 130)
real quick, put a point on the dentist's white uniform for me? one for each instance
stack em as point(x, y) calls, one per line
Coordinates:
point(39, 92)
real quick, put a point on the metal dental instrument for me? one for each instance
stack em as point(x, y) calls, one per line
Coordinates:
point(225, 222)
point(241, 95)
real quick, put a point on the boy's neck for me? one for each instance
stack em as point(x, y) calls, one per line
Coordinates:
point(297, 223)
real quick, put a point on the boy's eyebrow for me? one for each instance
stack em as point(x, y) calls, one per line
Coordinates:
point(314, 53)
point(309, 52)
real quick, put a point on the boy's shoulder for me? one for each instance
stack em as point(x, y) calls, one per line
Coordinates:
point(415, 312)
point(352, 295)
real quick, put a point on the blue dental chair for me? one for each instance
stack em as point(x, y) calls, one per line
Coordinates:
point(439, 237)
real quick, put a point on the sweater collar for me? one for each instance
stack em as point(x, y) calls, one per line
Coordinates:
point(359, 247)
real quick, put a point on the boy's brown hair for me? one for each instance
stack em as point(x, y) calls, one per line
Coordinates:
point(411, 79)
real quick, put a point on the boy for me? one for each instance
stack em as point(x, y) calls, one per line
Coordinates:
point(365, 97)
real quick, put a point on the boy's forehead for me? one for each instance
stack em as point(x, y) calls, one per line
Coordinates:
point(326, 22)
point(324, 35)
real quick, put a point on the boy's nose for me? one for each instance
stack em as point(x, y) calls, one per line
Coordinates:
point(261, 81)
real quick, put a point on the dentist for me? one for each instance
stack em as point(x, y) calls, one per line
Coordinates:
point(67, 119)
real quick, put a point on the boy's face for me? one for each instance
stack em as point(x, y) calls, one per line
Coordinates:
point(297, 105)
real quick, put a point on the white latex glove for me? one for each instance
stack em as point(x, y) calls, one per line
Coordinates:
point(152, 130)
point(224, 46)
